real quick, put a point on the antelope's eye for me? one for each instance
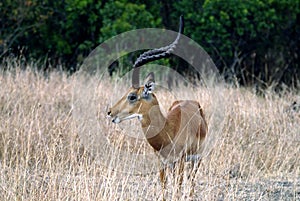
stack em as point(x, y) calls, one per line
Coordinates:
point(132, 97)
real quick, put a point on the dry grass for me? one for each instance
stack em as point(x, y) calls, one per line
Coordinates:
point(43, 154)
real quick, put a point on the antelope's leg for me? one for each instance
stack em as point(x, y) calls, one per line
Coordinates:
point(192, 176)
point(163, 180)
point(178, 174)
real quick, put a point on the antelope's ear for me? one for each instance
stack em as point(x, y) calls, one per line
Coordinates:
point(149, 85)
point(149, 78)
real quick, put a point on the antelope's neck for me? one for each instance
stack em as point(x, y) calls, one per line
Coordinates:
point(156, 129)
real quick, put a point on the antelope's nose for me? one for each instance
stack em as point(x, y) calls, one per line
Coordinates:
point(109, 113)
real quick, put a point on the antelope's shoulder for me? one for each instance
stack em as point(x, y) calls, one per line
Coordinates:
point(186, 109)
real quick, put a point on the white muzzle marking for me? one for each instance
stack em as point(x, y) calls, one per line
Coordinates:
point(117, 119)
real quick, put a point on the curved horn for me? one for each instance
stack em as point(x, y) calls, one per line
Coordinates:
point(154, 54)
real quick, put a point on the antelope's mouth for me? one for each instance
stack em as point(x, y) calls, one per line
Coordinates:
point(118, 119)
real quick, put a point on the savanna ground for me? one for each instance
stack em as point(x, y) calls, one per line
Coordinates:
point(42, 156)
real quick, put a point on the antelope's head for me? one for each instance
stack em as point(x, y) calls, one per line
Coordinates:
point(135, 102)
point(139, 99)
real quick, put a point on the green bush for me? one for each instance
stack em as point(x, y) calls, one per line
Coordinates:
point(252, 41)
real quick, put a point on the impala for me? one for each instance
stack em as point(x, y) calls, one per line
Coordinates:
point(177, 137)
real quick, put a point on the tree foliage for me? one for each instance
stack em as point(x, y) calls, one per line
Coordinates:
point(254, 42)
point(122, 16)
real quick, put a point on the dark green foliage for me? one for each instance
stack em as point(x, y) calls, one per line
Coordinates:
point(253, 42)
point(122, 16)
point(61, 31)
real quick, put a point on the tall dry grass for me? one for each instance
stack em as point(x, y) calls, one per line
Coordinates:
point(42, 157)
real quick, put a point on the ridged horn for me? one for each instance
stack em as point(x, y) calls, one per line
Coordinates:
point(153, 55)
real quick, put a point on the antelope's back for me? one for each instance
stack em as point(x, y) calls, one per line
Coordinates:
point(192, 129)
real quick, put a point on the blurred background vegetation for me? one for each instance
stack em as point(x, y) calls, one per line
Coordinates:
point(253, 42)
